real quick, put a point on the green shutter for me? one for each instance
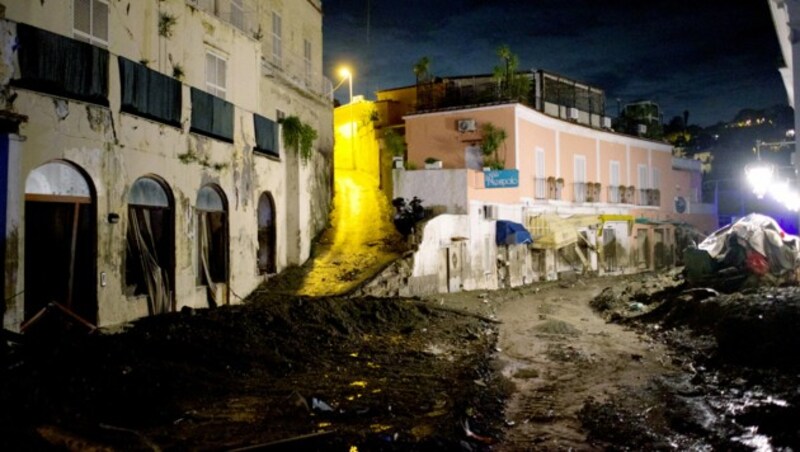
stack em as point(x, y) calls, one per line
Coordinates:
point(149, 94)
point(211, 116)
point(61, 66)
point(266, 135)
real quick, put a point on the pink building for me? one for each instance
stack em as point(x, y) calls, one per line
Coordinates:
point(593, 199)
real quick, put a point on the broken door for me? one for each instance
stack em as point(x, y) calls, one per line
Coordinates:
point(455, 264)
point(60, 241)
point(610, 249)
point(266, 234)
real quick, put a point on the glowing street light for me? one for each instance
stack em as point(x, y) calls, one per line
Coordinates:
point(759, 175)
point(346, 74)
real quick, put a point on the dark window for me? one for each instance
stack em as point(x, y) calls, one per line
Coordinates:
point(149, 94)
point(266, 136)
point(212, 116)
point(61, 66)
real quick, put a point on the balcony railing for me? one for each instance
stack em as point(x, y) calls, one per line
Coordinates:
point(614, 195)
point(648, 197)
point(642, 197)
point(540, 188)
point(579, 192)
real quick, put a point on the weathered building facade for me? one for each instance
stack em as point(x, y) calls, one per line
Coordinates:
point(145, 170)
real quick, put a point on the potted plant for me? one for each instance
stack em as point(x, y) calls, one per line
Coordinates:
point(397, 146)
point(588, 191)
point(433, 163)
point(621, 196)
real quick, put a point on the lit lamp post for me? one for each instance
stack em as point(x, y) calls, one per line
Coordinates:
point(346, 74)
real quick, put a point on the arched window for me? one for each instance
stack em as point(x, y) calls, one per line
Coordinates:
point(212, 242)
point(149, 262)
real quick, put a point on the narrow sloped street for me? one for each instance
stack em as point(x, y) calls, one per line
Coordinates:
point(359, 243)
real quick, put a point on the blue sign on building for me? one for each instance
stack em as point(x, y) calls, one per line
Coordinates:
point(501, 178)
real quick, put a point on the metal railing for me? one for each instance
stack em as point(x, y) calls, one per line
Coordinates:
point(642, 198)
point(614, 196)
point(540, 188)
point(579, 191)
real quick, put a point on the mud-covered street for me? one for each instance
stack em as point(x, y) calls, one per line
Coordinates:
point(635, 362)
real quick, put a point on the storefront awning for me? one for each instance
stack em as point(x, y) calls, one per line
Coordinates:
point(510, 233)
point(550, 231)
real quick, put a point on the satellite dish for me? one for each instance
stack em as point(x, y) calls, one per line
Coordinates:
point(680, 204)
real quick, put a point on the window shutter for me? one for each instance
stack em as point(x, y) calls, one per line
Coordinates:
point(266, 135)
point(61, 66)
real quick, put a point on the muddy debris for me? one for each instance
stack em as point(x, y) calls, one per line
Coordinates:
point(323, 374)
point(738, 378)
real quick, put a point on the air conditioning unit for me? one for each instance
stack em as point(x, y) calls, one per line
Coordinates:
point(641, 129)
point(572, 113)
point(467, 125)
point(605, 122)
point(489, 212)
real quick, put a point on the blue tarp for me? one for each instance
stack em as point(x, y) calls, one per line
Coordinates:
point(510, 233)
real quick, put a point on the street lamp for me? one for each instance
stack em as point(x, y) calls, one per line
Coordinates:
point(346, 74)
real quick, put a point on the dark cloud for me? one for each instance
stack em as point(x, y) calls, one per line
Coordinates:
point(712, 57)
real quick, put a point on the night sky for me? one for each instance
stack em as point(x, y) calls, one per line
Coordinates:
point(711, 57)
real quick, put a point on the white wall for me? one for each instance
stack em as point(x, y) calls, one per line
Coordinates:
point(443, 188)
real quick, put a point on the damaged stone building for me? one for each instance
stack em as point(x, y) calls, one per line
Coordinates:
point(142, 164)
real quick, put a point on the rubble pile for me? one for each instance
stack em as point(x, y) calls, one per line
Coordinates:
point(637, 294)
point(735, 378)
point(322, 374)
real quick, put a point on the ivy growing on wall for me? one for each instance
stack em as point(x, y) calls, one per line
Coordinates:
point(298, 136)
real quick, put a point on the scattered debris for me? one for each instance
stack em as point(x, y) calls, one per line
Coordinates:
point(752, 251)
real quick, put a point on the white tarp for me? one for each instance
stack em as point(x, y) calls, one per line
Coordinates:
point(759, 233)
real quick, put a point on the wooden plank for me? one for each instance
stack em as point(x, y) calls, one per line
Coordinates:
point(72, 254)
point(58, 198)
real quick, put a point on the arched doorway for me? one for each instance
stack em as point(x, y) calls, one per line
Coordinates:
point(60, 242)
point(150, 261)
point(266, 234)
point(212, 243)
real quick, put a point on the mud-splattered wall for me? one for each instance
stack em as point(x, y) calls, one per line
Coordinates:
point(114, 149)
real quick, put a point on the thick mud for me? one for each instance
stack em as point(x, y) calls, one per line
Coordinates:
point(325, 374)
point(737, 388)
point(625, 363)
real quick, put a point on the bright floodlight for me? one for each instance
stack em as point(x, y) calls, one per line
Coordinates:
point(759, 176)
